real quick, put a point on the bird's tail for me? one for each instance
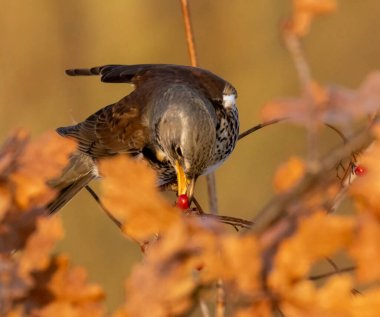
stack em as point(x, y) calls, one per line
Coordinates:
point(67, 193)
point(78, 173)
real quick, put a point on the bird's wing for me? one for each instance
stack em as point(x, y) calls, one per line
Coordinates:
point(213, 86)
point(115, 129)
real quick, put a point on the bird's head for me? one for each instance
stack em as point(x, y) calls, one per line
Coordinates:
point(187, 135)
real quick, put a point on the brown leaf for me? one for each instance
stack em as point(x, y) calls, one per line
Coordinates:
point(70, 284)
point(229, 265)
point(5, 201)
point(167, 275)
point(366, 249)
point(171, 266)
point(12, 286)
point(368, 305)
point(42, 160)
point(65, 309)
point(36, 254)
point(304, 12)
point(262, 308)
point(66, 292)
point(366, 188)
point(317, 236)
point(333, 299)
point(130, 194)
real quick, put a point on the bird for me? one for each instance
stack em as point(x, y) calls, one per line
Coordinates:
point(182, 120)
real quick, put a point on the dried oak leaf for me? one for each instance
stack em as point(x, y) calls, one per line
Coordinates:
point(16, 312)
point(366, 249)
point(164, 284)
point(5, 201)
point(333, 299)
point(12, 148)
point(42, 160)
point(366, 189)
point(262, 308)
point(225, 260)
point(70, 294)
point(288, 174)
point(16, 228)
point(317, 237)
point(304, 12)
point(367, 305)
point(168, 275)
point(330, 104)
point(130, 194)
point(12, 286)
point(36, 254)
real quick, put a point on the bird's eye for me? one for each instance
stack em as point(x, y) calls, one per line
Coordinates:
point(178, 151)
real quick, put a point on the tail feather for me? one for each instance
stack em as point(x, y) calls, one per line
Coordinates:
point(76, 175)
point(68, 192)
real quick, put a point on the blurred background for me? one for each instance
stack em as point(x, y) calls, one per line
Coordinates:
point(238, 40)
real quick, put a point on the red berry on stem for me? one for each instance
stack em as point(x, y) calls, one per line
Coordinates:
point(359, 170)
point(183, 202)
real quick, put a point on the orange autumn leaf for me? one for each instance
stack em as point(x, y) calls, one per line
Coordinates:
point(229, 265)
point(41, 160)
point(171, 265)
point(5, 201)
point(304, 12)
point(167, 273)
point(366, 249)
point(366, 188)
point(130, 194)
point(317, 236)
point(288, 174)
point(36, 253)
point(65, 309)
point(63, 291)
point(70, 284)
point(260, 309)
point(367, 305)
point(333, 299)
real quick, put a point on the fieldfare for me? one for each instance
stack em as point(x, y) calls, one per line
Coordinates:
point(182, 120)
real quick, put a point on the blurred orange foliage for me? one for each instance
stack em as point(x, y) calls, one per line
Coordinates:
point(268, 270)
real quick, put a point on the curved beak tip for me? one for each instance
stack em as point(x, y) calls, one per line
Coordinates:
point(185, 185)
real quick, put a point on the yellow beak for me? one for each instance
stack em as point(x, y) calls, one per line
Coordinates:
point(185, 185)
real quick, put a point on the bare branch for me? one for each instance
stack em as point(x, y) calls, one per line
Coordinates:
point(189, 33)
point(211, 182)
point(220, 308)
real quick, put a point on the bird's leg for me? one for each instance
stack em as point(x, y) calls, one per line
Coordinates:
point(97, 199)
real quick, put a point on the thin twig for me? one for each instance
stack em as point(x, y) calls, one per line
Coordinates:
point(328, 274)
point(210, 178)
point(258, 127)
point(294, 47)
point(275, 210)
point(220, 308)
point(333, 264)
point(233, 221)
point(189, 33)
point(204, 308)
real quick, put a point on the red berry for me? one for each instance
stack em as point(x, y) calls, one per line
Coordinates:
point(360, 170)
point(183, 202)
